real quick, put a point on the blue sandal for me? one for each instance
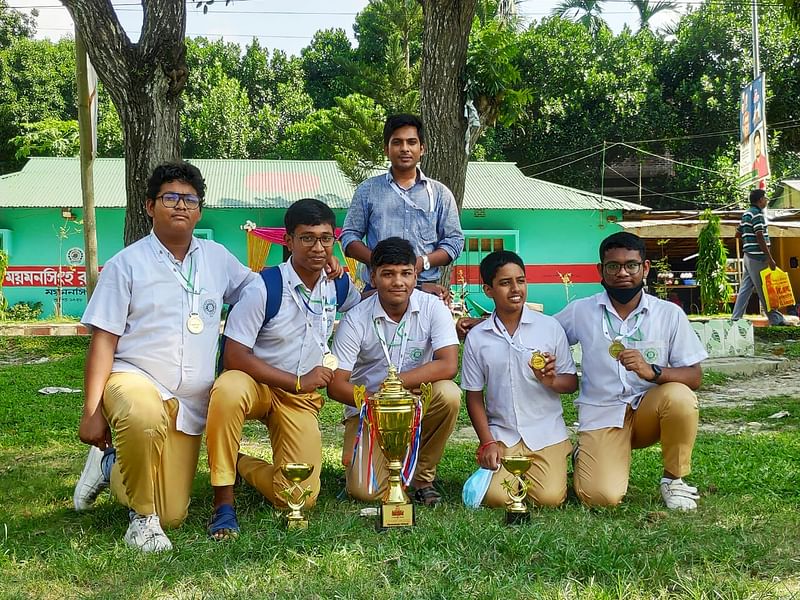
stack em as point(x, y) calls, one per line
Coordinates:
point(223, 524)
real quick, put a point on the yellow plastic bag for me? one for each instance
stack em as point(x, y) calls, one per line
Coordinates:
point(777, 288)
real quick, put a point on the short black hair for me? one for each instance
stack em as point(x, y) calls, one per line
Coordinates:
point(308, 211)
point(492, 262)
point(622, 239)
point(756, 196)
point(392, 251)
point(395, 122)
point(176, 171)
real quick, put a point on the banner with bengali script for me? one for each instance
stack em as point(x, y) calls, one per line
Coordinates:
point(42, 276)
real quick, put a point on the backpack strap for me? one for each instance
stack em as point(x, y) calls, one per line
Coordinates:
point(273, 280)
point(342, 289)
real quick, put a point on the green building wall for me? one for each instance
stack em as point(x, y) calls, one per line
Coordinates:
point(546, 237)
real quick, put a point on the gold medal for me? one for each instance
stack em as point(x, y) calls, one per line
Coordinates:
point(194, 323)
point(615, 348)
point(538, 360)
point(329, 361)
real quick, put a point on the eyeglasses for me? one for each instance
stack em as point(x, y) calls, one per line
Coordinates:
point(171, 199)
point(632, 267)
point(309, 241)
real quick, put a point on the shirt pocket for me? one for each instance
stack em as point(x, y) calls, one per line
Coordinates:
point(653, 351)
point(414, 354)
point(210, 307)
point(425, 227)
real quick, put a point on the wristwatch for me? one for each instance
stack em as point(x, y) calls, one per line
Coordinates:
point(657, 371)
point(426, 263)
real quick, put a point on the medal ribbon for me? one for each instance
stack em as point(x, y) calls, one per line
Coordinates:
point(321, 336)
point(634, 336)
point(403, 340)
point(412, 456)
point(190, 284)
point(516, 346)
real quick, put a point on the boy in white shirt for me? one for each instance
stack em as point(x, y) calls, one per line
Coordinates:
point(641, 363)
point(522, 360)
point(275, 367)
point(413, 331)
point(155, 318)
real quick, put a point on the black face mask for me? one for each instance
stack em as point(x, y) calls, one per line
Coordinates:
point(622, 295)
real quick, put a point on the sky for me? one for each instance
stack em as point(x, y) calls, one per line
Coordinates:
point(284, 24)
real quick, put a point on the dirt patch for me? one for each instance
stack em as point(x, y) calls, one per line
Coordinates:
point(745, 392)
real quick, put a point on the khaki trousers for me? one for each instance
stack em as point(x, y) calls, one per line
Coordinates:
point(668, 413)
point(437, 425)
point(547, 476)
point(156, 463)
point(293, 424)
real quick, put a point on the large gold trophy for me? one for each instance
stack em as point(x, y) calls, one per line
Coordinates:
point(516, 487)
point(295, 494)
point(392, 411)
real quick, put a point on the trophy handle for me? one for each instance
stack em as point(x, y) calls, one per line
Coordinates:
point(359, 395)
point(426, 395)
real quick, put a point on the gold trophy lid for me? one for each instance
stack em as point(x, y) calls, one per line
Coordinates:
point(392, 390)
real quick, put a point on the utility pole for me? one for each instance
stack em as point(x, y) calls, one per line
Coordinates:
point(86, 129)
point(756, 59)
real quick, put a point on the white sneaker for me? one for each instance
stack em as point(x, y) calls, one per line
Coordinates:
point(91, 482)
point(678, 495)
point(145, 533)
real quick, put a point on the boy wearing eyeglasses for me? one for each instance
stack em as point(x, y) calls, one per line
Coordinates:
point(155, 317)
point(640, 364)
point(275, 368)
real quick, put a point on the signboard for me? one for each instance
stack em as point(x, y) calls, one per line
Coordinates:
point(753, 159)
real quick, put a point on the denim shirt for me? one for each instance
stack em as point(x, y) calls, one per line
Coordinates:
point(379, 211)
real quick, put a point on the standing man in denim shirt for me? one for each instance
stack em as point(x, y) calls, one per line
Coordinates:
point(404, 203)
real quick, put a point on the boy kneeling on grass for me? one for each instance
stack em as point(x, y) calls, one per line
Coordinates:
point(520, 412)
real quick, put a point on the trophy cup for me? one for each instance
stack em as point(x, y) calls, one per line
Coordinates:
point(516, 487)
point(295, 494)
point(392, 411)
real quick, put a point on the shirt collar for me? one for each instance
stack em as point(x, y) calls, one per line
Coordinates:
point(421, 178)
point(413, 307)
point(162, 252)
point(528, 316)
point(293, 279)
point(604, 300)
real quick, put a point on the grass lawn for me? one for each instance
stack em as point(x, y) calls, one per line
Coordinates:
point(743, 542)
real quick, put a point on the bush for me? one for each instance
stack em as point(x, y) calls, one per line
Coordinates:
point(24, 311)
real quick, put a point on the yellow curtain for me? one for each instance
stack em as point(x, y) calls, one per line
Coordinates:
point(257, 251)
point(352, 267)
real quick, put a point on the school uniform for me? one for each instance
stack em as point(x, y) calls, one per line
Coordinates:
point(156, 398)
point(617, 409)
point(362, 340)
point(294, 340)
point(525, 417)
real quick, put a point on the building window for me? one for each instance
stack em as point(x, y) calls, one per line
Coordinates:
point(204, 234)
point(5, 241)
point(477, 244)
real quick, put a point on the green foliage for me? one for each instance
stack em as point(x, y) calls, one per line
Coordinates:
point(585, 12)
point(3, 269)
point(711, 261)
point(661, 267)
point(23, 312)
point(325, 61)
point(51, 137)
point(356, 131)
point(14, 24)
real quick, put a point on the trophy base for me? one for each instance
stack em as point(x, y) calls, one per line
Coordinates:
point(396, 515)
point(516, 518)
point(297, 524)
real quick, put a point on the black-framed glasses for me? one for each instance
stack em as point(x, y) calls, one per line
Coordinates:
point(309, 241)
point(171, 199)
point(632, 267)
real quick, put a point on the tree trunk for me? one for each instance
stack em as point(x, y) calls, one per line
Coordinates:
point(145, 81)
point(445, 38)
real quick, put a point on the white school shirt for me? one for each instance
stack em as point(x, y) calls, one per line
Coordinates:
point(664, 338)
point(517, 404)
point(295, 339)
point(429, 327)
point(139, 298)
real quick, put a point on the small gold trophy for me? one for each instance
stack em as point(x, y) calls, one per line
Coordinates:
point(517, 488)
point(295, 494)
point(392, 409)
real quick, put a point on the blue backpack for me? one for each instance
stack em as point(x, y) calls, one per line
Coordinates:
point(273, 280)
